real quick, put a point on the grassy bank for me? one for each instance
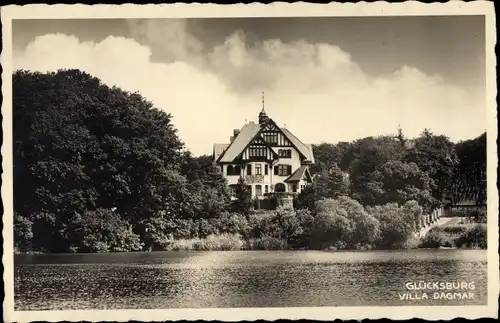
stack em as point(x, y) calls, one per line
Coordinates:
point(226, 242)
point(463, 237)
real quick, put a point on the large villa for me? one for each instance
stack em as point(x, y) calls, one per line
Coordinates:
point(270, 159)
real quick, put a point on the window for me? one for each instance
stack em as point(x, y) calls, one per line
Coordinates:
point(283, 170)
point(258, 190)
point(271, 137)
point(280, 187)
point(249, 169)
point(257, 152)
point(258, 169)
point(294, 188)
point(233, 170)
point(266, 170)
point(266, 189)
point(285, 153)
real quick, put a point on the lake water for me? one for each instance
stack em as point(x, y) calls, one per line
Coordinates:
point(243, 279)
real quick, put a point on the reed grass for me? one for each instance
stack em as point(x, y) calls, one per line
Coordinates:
point(213, 242)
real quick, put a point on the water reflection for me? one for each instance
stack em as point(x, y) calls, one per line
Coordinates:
point(239, 279)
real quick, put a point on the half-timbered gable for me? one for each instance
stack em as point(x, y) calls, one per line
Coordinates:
point(258, 150)
point(273, 135)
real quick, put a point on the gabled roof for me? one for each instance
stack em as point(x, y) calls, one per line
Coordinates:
point(226, 153)
point(219, 149)
point(247, 133)
point(299, 174)
point(305, 150)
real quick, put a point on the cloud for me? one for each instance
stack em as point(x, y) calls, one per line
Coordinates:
point(168, 37)
point(317, 90)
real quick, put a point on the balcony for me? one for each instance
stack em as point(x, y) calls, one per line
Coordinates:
point(254, 179)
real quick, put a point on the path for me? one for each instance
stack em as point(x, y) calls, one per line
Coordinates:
point(441, 221)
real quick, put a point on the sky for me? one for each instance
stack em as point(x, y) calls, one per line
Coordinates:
point(326, 79)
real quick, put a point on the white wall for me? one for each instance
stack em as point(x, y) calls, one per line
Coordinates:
point(270, 178)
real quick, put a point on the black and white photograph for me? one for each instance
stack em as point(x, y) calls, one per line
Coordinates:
point(329, 163)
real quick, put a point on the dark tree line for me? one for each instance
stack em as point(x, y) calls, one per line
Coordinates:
point(100, 169)
point(429, 169)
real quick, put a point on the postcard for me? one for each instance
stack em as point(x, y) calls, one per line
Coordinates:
point(245, 162)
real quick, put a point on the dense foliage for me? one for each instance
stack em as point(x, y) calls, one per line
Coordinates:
point(98, 169)
point(470, 173)
point(393, 169)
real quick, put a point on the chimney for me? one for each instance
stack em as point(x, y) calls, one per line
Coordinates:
point(231, 139)
point(236, 132)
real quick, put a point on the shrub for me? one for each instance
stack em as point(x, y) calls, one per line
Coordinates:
point(127, 241)
point(101, 231)
point(397, 224)
point(23, 232)
point(160, 230)
point(207, 227)
point(412, 243)
point(475, 237)
point(262, 224)
point(280, 224)
point(305, 220)
point(455, 230)
point(287, 224)
point(413, 213)
point(436, 238)
point(478, 216)
point(233, 223)
point(342, 223)
point(307, 198)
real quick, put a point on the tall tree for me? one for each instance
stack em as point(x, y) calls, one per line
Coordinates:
point(369, 155)
point(243, 203)
point(470, 173)
point(81, 146)
point(207, 179)
point(331, 183)
point(329, 155)
point(435, 155)
point(399, 182)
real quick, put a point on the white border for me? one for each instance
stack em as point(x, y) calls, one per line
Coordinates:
point(410, 8)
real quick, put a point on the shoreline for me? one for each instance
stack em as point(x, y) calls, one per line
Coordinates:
point(24, 253)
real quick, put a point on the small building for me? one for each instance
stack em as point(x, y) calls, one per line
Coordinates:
point(465, 207)
point(269, 158)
